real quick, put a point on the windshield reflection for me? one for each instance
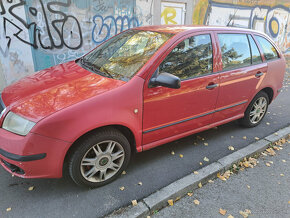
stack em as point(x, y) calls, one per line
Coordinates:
point(122, 56)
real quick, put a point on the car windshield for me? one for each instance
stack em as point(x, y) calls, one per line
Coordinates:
point(123, 55)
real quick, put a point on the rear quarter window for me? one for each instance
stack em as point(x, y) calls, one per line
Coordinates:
point(267, 48)
point(256, 57)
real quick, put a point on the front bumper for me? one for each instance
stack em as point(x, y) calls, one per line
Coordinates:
point(33, 155)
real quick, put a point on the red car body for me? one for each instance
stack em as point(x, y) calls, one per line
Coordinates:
point(67, 101)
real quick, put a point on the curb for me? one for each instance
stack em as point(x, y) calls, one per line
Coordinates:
point(190, 182)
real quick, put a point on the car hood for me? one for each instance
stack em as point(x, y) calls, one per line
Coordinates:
point(53, 89)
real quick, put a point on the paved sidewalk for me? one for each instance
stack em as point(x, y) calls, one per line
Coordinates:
point(264, 190)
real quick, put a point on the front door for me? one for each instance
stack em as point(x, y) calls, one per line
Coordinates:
point(169, 112)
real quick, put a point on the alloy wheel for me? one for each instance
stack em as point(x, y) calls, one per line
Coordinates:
point(258, 110)
point(102, 161)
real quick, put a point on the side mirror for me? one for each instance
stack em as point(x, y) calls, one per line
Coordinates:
point(167, 80)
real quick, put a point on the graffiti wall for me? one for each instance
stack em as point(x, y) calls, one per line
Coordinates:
point(269, 16)
point(38, 34)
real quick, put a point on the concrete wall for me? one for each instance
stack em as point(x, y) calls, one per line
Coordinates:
point(37, 34)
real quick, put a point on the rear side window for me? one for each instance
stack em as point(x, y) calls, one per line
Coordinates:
point(256, 56)
point(235, 50)
point(268, 49)
point(190, 58)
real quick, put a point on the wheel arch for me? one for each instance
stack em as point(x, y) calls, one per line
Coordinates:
point(269, 91)
point(123, 129)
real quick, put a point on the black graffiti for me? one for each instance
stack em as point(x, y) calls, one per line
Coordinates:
point(2, 8)
point(59, 26)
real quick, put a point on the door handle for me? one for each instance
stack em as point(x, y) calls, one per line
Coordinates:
point(259, 74)
point(212, 86)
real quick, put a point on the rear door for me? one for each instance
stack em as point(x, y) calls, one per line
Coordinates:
point(241, 73)
point(170, 112)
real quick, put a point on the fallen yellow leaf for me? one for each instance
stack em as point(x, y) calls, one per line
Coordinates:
point(270, 151)
point(268, 165)
point(122, 188)
point(223, 212)
point(195, 172)
point(231, 148)
point(257, 138)
point(206, 159)
point(181, 155)
point(200, 163)
point(196, 202)
point(210, 181)
point(227, 174)
point(230, 216)
point(245, 137)
point(172, 152)
point(199, 185)
point(268, 123)
point(248, 186)
point(170, 202)
point(282, 174)
point(190, 194)
point(284, 161)
point(140, 183)
point(264, 154)
point(245, 213)
point(246, 164)
point(134, 202)
point(288, 202)
point(205, 144)
point(221, 177)
point(275, 133)
point(178, 198)
point(31, 188)
point(8, 209)
point(124, 172)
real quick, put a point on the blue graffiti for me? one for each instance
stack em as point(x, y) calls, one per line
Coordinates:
point(109, 26)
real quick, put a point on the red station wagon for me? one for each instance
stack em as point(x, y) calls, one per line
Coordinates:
point(141, 88)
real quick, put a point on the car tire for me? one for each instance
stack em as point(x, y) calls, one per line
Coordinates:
point(99, 158)
point(256, 110)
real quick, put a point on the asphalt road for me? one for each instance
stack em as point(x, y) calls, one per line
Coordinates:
point(266, 197)
point(155, 169)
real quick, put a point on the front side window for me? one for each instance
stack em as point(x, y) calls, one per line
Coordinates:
point(256, 57)
point(122, 56)
point(190, 58)
point(268, 49)
point(235, 50)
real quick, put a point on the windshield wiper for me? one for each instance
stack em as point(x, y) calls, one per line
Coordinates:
point(107, 72)
point(94, 68)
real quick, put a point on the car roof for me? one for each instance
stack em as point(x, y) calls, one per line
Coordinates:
point(174, 29)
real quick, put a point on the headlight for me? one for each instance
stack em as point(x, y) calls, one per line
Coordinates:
point(17, 124)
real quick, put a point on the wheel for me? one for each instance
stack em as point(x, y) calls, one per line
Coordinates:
point(100, 158)
point(256, 110)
